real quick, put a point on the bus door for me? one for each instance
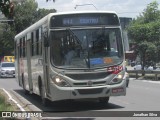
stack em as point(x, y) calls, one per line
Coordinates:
point(46, 63)
point(29, 65)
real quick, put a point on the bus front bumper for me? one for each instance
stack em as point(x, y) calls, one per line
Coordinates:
point(64, 93)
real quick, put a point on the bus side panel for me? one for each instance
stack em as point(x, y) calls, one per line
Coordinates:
point(28, 68)
point(17, 65)
point(37, 72)
point(25, 73)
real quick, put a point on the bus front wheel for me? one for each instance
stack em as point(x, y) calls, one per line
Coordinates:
point(42, 95)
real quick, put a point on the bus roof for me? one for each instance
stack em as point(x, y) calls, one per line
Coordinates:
point(78, 12)
point(44, 19)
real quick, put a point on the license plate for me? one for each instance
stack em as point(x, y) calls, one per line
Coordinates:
point(117, 90)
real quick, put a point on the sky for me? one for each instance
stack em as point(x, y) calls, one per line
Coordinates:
point(124, 8)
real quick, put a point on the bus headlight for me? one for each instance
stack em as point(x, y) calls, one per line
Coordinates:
point(117, 79)
point(60, 82)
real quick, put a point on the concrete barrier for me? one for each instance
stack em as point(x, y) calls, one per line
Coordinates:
point(137, 72)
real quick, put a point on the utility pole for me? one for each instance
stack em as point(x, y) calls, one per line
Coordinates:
point(85, 5)
point(6, 21)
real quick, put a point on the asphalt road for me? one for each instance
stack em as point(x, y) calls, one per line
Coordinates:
point(9, 84)
point(142, 96)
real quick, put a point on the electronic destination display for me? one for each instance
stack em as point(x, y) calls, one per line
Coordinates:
point(92, 19)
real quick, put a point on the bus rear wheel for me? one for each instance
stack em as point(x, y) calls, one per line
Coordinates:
point(104, 100)
point(26, 92)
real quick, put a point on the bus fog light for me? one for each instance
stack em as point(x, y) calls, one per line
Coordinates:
point(60, 82)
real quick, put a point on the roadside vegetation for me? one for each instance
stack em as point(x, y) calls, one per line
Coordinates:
point(144, 33)
point(25, 13)
point(5, 105)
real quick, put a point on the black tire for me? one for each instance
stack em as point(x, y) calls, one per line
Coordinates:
point(127, 83)
point(104, 100)
point(44, 101)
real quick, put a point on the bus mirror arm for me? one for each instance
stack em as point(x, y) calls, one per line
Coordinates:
point(46, 42)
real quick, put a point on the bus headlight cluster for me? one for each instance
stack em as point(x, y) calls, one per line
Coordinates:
point(60, 82)
point(117, 79)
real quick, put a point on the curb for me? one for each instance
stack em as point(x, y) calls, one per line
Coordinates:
point(10, 98)
point(23, 104)
point(26, 104)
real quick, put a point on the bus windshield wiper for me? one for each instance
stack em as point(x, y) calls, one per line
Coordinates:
point(74, 36)
point(86, 58)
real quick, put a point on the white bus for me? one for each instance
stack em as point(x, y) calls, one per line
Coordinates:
point(72, 55)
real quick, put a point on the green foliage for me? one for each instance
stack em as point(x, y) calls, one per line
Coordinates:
point(6, 40)
point(145, 32)
point(7, 8)
point(4, 106)
point(26, 13)
point(4, 6)
point(43, 12)
point(151, 13)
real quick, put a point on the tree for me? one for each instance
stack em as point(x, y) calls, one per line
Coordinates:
point(7, 8)
point(43, 12)
point(151, 13)
point(6, 40)
point(26, 13)
point(145, 31)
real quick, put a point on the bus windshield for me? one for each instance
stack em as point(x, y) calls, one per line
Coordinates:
point(86, 48)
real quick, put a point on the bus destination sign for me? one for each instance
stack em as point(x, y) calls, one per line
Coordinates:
point(84, 20)
point(81, 21)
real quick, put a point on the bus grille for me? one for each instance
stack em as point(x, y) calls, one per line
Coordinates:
point(90, 91)
point(88, 76)
point(97, 83)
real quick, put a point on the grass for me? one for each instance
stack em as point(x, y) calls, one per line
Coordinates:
point(4, 104)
